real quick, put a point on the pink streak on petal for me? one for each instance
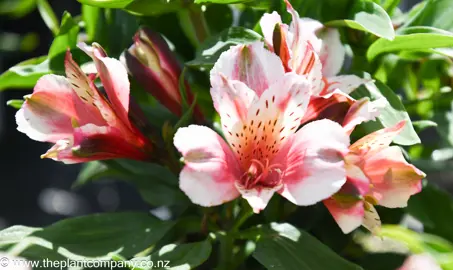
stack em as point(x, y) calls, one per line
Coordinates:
point(251, 64)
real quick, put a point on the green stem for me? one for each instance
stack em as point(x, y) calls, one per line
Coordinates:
point(193, 24)
point(226, 252)
point(246, 212)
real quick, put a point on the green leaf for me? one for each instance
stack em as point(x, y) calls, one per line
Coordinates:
point(436, 220)
point(24, 74)
point(412, 42)
point(65, 39)
point(17, 8)
point(153, 8)
point(435, 13)
point(93, 236)
point(416, 242)
point(107, 3)
point(92, 171)
point(15, 234)
point(390, 5)
point(138, 7)
point(15, 103)
point(284, 247)
point(369, 17)
point(222, 1)
point(391, 114)
point(176, 257)
point(214, 46)
point(48, 16)
point(156, 184)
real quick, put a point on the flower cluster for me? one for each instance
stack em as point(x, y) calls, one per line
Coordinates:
point(272, 103)
point(285, 114)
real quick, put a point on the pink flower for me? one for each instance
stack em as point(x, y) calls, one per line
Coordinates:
point(72, 113)
point(308, 48)
point(377, 174)
point(263, 152)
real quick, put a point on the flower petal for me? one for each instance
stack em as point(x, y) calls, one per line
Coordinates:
point(271, 119)
point(371, 219)
point(332, 52)
point(90, 101)
point(258, 199)
point(91, 142)
point(345, 83)
point(267, 23)
point(115, 81)
point(377, 140)
point(313, 162)
point(304, 59)
point(362, 110)
point(393, 179)
point(347, 212)
point(232, 101)
point(331, 106)
point(47, 114)
point(251, 64)
point(211, 168)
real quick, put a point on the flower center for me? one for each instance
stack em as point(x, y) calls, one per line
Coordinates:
point(262, 174)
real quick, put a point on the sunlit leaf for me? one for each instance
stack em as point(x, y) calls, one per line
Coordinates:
point(15, 103)
point(212, 48)
point(24, 74)
point(176, 257)
point(435, 13)
point(369, 17)
point(89, 237)
point(284, 247)
point(391, 114)
point(65, 39)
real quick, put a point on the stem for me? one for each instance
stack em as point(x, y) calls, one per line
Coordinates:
point(226, 252)
point(199, 24)
point(245, 213)
point(193, 24)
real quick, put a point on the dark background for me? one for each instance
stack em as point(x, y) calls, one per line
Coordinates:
point(34, 191)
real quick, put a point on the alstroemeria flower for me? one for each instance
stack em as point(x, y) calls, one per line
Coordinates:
point(155, 67)
point(72, 113)
point(308, 48)
point(264, 152)
point(377, 174)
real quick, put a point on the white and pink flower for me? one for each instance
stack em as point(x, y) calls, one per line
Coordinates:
point(310, 49)
point(377, 174)
point(72, 113)
point(261, 107)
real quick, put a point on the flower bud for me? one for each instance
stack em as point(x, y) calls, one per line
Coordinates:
point(154, 66)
